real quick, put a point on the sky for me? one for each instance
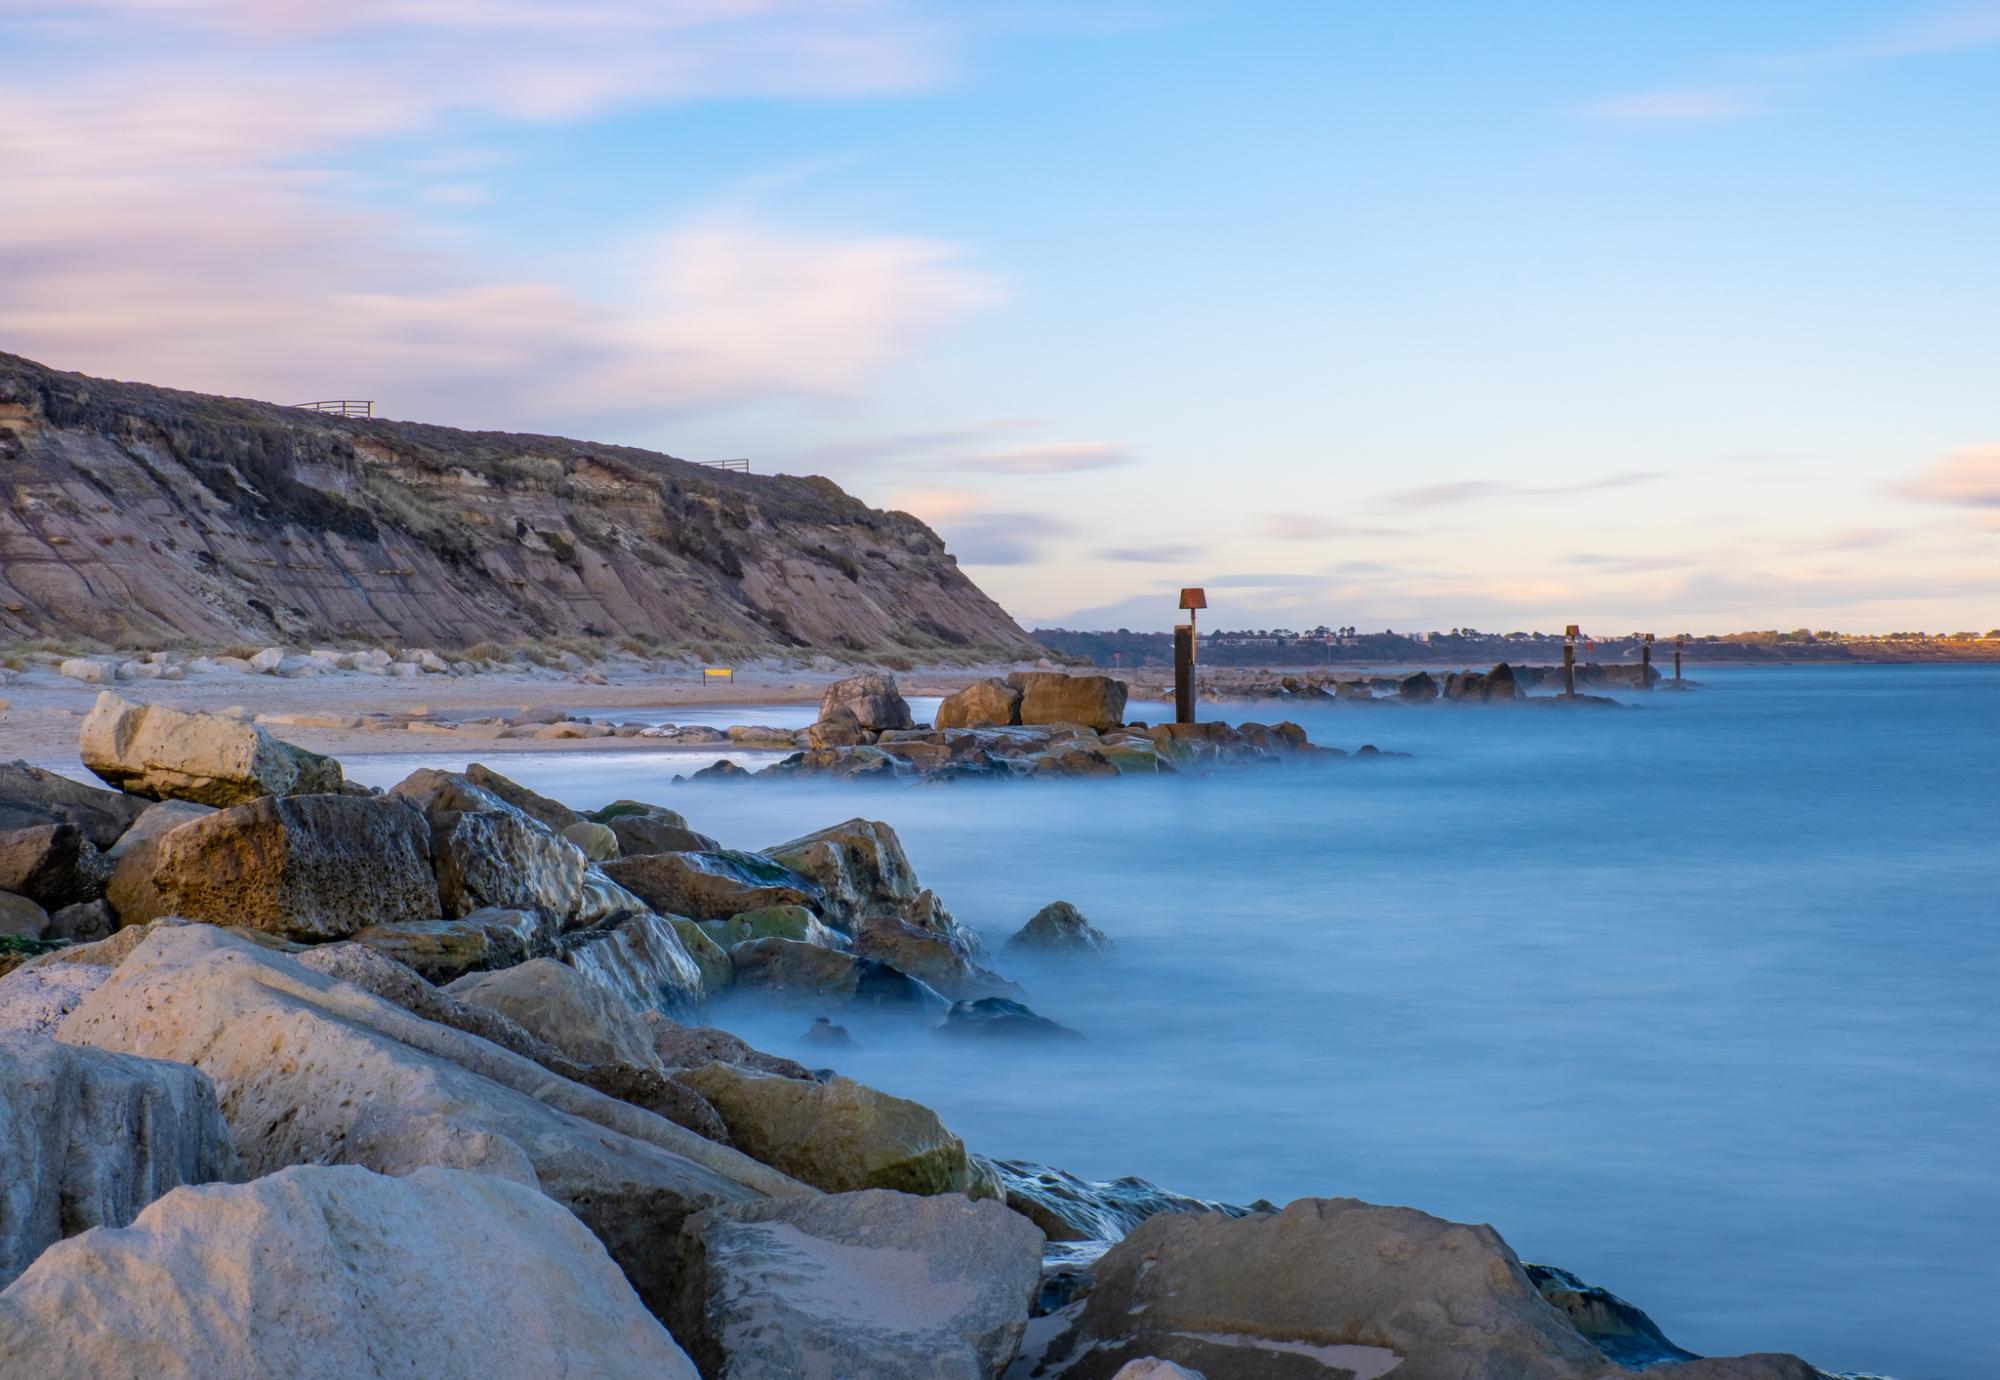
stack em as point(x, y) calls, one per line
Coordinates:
point(1418, 315)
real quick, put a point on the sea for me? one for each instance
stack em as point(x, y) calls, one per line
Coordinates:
point(1697, 996)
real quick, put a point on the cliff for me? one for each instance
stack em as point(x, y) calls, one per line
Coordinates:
point(141, 515)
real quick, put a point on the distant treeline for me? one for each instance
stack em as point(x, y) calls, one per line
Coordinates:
point(1277, 647)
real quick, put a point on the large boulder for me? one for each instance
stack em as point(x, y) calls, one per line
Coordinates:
point(940, 960)
point(150, 750)
point(554, 1002)
point(53, 865)
point(1059, 928)
point(998, 1018)
point(157, 818)
point(35, 997)
point(642, 962)
point(860, 869)
point(441, 950)
point(311, 1070)
point(774, 922)
point(1420, 687)
point(989, 701)
point(21, 918)
point(306, 867)
point(872, 698)
point(1068, 1208)
point(838, 1135)
point(503, 858)
point(32, 795)
point(793, 970)
point(642, 828)
point(1365, 1288)
point(873, 1284)
point(692, 1046)
point(334, 1273)
point(711, 885)
point(1050, 697)
point(90, 1137)
point(552, 813)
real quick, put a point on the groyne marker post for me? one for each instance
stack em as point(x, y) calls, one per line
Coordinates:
point(1680, 641)
point(1570, 635)
point(1646, 663)
point(1184, 654)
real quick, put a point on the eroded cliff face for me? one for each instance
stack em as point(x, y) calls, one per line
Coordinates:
point(148, 515)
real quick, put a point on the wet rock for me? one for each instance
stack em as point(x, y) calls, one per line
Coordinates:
point(84, 921)
point(503, 858)
point(774, 922)
point(441, 950)
point(30, 795)
point(997, 1018)
point(989, 701)
point(1420, 687)
point(687, 735)
point(150, 750)
point(1763, 1365)
point(90, 1137)
point(800, 972)
point(156, 819)
point(322, 1273)
point(760, 737)
point(595, 841)
point(824, 1032)
point(859, 867)
point(53, 865)
point(1622, 1332)
point(710, 958)
point(872, 698)
point(641, 961)
point(691, 1046)
point(712, 885)
point(725, 770)
point(555, 1003)
point(553, 813)
point(1068, 1208)
point(661, 1094)
point(929, 956)
point(311, 1070)
point(874, 1284)
point(838, 1135)
point(1369, 1289)
point(1051, 697)
point(837, 730)
point(21, 918)
point(1059, 928)
point(603, 902)
point(641, 828)
point(306, 867)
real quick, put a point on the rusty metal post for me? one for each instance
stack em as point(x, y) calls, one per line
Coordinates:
point(1569, 661)
point(1184, 673)
point(1680, 640)
point(1646, 663)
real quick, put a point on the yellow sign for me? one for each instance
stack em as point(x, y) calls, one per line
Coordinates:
point(719, 672)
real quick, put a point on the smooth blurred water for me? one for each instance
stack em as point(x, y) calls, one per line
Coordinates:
point(1695, 999)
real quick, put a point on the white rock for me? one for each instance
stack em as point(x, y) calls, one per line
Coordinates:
point(404, 668)
point(34, 1000)
point(268, 660)
point(556, 1003)
point(1153, 1368)
point(874, 1284)
point(88, 1138)
point(332, 1274)
point(86, 670)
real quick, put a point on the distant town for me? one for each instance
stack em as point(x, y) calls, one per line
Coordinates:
point(1470, 646)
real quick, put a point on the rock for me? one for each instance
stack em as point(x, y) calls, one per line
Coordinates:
point(306, 867)
point(687, 735)
point(712, 885)
point(314, 1071)
point(441, 950)
point(838, 1135)
point(929, 956)
point(874, 1284)
point(163, 753)
point(553, 813)
point(717, 972)
point(760, 737)
point(1050, 697)
point(503, 858)
point(725, 770)
point(595, 841)
point(1500, 684)
point(89, 671)
point(989, 701)
point(555, 1003)
point(330, 1273)
point(824, 1032)
point(691, 1046)
point(30, 795)
point(999, 1018)
point(157, 818)
point(1153, 1368)
point(774, 922)
point(872, 698)
point(267, 661)
point(35, 997)
point(859, 868)
point(1059, 928)
point(89, 1138)
point(84, 921)
point(1068, 1208)
point(800, 972)
point(1762, 1365)
point(641, 961)
point(641, 828)
point(1419, 687)
point(604, 901)
point(21, 918)
point(837, 730)
point(1365, 1288)
point(1622, 1332)
point(661, 1094)
point(53, 865)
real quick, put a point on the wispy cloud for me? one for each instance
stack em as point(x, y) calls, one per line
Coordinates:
point(1966, 478)
point(1311, 527)
point(1680, 105)
point(1478, 490)
point(1051, 457)
point(1166, 553)
point(978, 533)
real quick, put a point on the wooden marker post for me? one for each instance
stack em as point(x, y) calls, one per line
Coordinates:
point(1680, 641)
point(1184, 655)
point(1646, 663)
point(1570, 635)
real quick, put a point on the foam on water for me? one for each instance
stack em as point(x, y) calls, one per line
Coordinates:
point(1696, 1001)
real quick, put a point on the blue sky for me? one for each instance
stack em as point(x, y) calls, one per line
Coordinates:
point(1413, 315)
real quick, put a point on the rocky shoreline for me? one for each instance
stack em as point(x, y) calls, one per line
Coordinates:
point(305, 1079)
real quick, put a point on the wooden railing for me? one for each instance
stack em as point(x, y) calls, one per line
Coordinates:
point(341, 407)
point(740, 466)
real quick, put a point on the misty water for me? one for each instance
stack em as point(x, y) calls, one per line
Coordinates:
point(1696, 1000)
